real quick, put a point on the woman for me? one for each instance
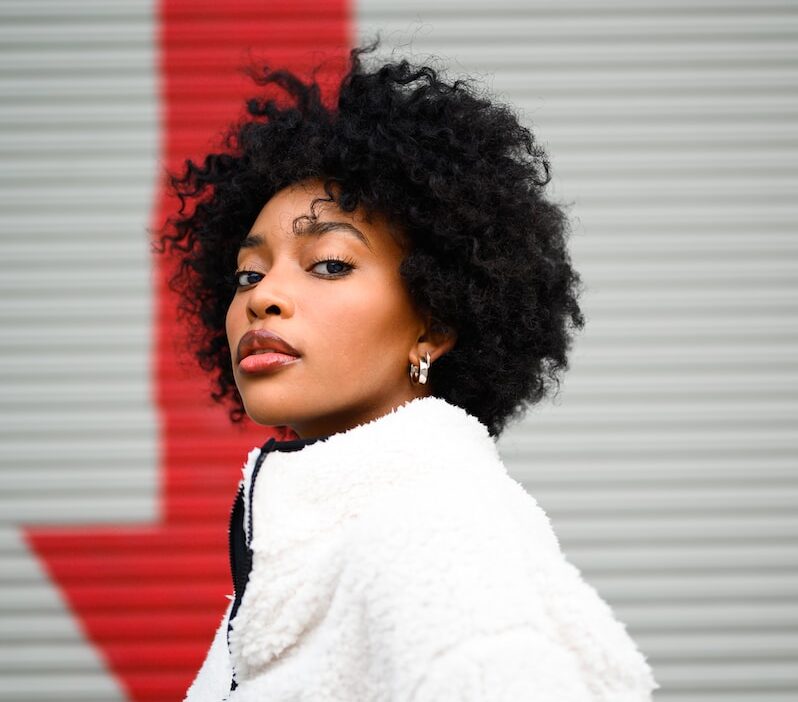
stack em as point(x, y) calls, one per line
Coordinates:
point(385, 278)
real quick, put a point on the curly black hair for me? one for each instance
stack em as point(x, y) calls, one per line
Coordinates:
point(457, 173)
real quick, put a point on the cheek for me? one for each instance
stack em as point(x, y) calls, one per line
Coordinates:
point(376, 316)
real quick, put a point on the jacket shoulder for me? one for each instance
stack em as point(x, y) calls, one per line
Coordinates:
point(460, 551)
point(457, 556)
point(472, 511)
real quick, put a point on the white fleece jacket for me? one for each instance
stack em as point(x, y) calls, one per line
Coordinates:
point(399, 562)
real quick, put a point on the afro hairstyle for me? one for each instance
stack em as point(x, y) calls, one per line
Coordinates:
point(453, 170)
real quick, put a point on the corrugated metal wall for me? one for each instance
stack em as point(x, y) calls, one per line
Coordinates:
point(669, 462)
point(78, 144)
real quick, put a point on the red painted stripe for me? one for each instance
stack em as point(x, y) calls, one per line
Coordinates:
point(151, 597)
point(145, 596)
point(122, 566)
point(163, 655)
point(145, 627)
point(139, 539)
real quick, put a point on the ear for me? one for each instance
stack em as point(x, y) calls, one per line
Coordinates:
point(436, 339)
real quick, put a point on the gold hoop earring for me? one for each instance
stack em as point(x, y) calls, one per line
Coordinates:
point(419, 374)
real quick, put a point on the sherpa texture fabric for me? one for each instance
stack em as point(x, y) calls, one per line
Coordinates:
point(399, 562)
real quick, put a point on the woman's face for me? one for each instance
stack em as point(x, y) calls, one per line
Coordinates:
point(335, 297)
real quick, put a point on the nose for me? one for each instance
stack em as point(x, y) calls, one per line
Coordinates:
point(270, 297)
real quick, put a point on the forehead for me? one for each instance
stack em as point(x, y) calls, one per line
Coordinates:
point(303, 211)
point(307, 229)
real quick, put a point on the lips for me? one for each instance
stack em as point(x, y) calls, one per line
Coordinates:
point(261, 340)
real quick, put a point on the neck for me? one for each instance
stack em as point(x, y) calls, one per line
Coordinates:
point(350, 418)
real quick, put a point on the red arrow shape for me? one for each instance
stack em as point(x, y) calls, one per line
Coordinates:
point(150, 597)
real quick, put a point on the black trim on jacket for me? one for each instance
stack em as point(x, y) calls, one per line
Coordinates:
point(240, 551)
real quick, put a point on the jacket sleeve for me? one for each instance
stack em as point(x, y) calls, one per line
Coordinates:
point(515, 665)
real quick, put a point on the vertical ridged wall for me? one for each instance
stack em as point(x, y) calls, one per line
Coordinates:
point(669, 462)
point(78, 145)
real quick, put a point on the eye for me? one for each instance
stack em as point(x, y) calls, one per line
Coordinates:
point(244, 278)
point(333, 267)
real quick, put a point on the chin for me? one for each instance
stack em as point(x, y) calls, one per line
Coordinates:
point(266, 414)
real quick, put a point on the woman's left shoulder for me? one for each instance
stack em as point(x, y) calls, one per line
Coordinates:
point(470, 505)
point(468, 536)
point(452, 555)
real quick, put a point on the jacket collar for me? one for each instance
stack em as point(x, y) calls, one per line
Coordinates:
point(304, 500)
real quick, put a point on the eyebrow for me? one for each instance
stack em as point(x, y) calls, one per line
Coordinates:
point(314, 228)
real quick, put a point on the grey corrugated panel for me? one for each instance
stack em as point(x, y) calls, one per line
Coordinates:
point(76, 89)
point(55, 509)
point(89, 170)
point(80, 686)
point(606, 8)
point(20, 250)
point(669, 463)
point(26, 60)
point(780, 675)
point(630, 19)
point(85, 481)
point(746, 644)
point(95, 226)
point(129, 421)
point(486, 58)
point(127, 312)
point(732, 215)
point(37, 626)
point(670, 242)
point(656, 471)
point(77, 9)
point(105, 334)
point(776, 675)
point(640, 445)
point(104, 277)
point(40, 681)
point(76, 35)
point(645, 587)
point(19, 658)
point(686, 558)
point(578, 503)
point(49, 146)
